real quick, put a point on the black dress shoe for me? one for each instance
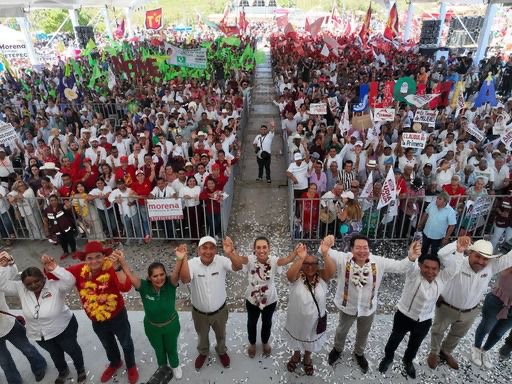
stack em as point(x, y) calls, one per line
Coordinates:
point(333, 356)
point(385, 363)
point(409, 369)
point(362, 362)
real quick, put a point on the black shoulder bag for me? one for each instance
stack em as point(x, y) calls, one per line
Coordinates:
point(321, 325)
point(20, 319)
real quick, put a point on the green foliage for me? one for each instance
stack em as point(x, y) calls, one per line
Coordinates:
point(49, 20)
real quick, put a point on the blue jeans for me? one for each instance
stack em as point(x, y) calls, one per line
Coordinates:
point(132, 226)
point(119, 327)
point(18, 337)
point(6, 229)
point(490, 325)
point(143, 216)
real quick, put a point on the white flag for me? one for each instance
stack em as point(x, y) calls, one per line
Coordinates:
point(111, 79)
point(345, 121)
point(461, 103)
point(388, 193)
point(420, 100)
point(325, 51)
point(368, 187)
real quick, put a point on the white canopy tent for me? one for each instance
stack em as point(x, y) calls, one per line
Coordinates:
point(483, 39)
point(19, 8)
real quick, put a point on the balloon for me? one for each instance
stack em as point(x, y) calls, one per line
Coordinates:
point(344, 229)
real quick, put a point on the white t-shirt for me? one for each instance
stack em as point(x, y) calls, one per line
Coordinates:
point(100, 203)
point(301, 174)
point(264, 142)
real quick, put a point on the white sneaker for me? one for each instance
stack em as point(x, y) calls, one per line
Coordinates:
point(486, 360)
point(476, 356)
point(178, 374)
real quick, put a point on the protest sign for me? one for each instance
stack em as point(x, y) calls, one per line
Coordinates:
point(388, 192)
point(333, 104)
point(164, 209)
point(478, 211)
point(426, 116)
point(384, 114)
point(191, 58)
point(14, 50)
point(318, 109)
point(420, 100)
point(506, 138)
point(362, 122)
point(298, 103)
point(413, 140)
point(7, 133)
point(501, 123)
point(475, 132)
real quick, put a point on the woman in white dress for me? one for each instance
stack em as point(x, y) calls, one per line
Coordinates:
point(24, 199)
point(261, 294)
point(306, 306)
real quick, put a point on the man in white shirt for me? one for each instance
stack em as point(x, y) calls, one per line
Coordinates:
point(487, 173)
point(501, 176)
point(424, 283)
point(137, 157)
point(13, 331)
point(459, 304)
point(298, 173)
point(96, 153)
point(429, 157)
point(122, 196)
point(360, 274)
point(263, 147)
point(207, 277)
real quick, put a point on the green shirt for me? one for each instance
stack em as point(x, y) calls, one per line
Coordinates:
point(159, 307)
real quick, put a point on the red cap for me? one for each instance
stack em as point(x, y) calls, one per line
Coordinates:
point(87, 160)
point(123, 159)
point(215, 166)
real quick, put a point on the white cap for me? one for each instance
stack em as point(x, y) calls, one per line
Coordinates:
point(348, 195)
point(207, 239)
point(297, 156)
point(360, 143)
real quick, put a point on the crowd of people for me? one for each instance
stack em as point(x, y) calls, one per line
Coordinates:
point(331, 160)
point(86, 165)
point(442, 292)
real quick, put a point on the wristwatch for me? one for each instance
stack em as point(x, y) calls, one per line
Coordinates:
point(118, 269)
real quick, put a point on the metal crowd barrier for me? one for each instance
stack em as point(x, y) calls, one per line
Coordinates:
point(24, 218)
point(308, 222)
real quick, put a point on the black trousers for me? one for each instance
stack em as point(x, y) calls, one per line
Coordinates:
point(65, 342)
point(264, 163)
point(401, 326)
point(432, 244)
point(67, 241)
point(253, 314)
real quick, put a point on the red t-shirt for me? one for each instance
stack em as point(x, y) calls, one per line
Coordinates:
point(127, 174)
point(459, 191)
point(65, 191)
point(142, 189)
point(111, 289)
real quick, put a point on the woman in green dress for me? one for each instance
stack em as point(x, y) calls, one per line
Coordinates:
point(161, 321)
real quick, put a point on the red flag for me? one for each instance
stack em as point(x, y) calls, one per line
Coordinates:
point(119, 32)
point(289, 31)
point(307, 25)
point(282, 21)
point(154, 19)
point(365, 28)
point(243, 23)
point(225, 15)
point(335, 15)
point(315, 27)
point(391, 30)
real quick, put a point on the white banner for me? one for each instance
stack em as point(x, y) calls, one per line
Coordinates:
point(14, 50)
point(388, 193)
point(191, 58)
point(368, 188)
point(420, 100)
point(384, 114)
point(164, 209)
point(506, 138)
point(318, 109)
point(7, 133)
point(344, 124)
point(298, 103)
point(473, 130)
point(501, 123)
point(426, 116)
point(333, 104)
point(413, 140)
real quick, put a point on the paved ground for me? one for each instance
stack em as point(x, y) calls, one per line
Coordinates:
point(258, 208)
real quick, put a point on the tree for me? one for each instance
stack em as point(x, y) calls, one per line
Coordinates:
point(49, 20)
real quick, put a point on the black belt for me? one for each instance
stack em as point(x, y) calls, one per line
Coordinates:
point(209, 313)
point(458, 309)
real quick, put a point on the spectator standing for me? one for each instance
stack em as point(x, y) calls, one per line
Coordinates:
point(263, 147)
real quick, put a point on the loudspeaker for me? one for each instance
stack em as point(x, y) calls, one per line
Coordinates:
point(162, 376)
point(84, 34)
point(458, 36)
point(429, 33)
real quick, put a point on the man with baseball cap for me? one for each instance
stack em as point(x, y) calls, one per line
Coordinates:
point(207, 277)
point(458, 306)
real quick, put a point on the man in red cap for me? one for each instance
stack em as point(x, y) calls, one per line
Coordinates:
point(100, 281)
point(125, 171)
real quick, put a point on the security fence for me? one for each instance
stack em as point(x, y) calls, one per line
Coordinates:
point(312, 219)
point(131, 218)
